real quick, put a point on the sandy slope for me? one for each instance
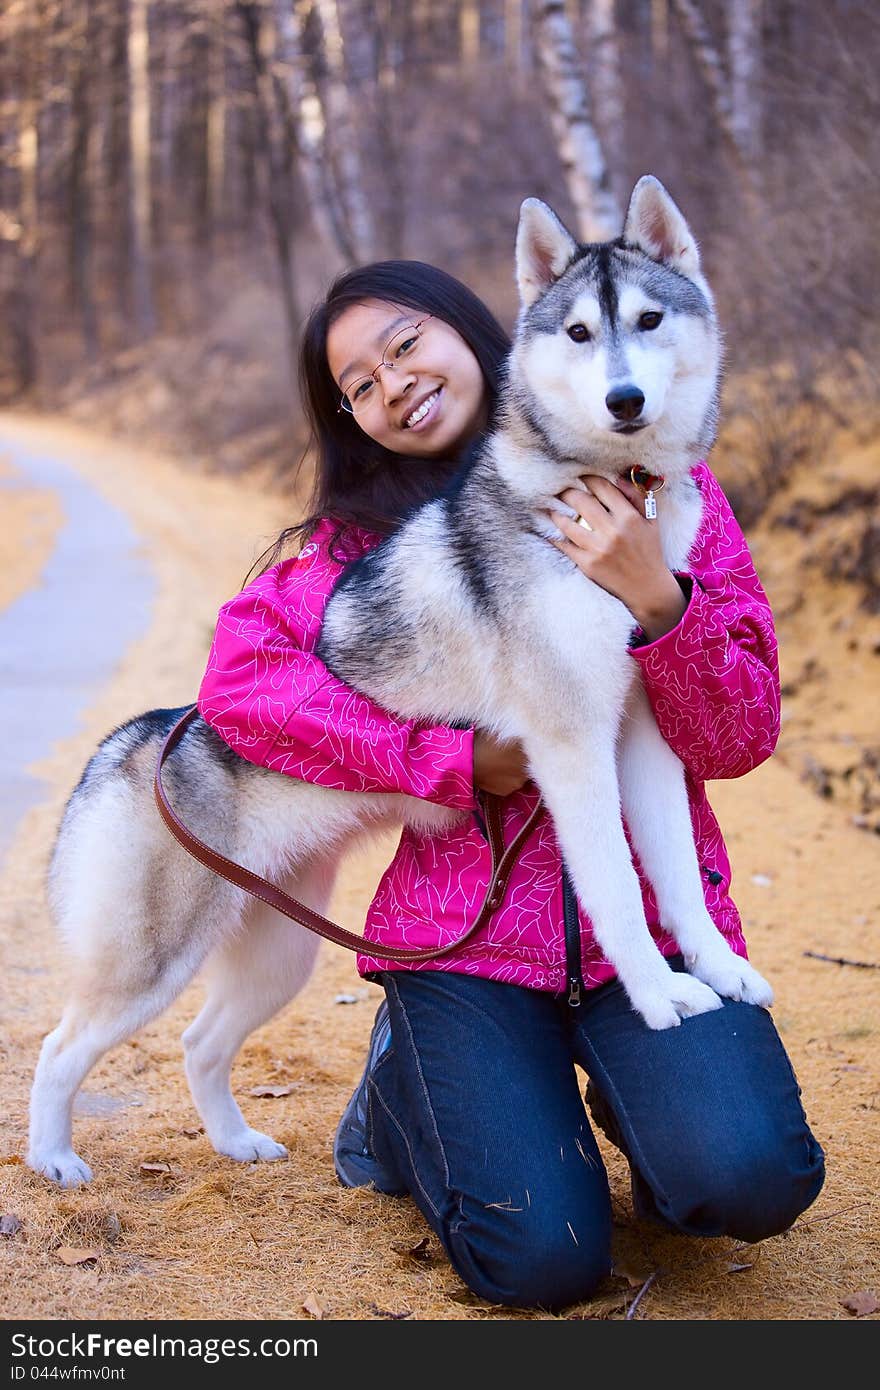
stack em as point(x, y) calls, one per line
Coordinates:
point(210, 1239)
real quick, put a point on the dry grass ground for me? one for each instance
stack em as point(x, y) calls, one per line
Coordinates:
point(202, 1237)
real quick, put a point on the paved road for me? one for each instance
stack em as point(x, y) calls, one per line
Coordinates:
point(61, 642)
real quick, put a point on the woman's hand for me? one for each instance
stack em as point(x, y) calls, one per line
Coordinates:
point(622, 551)
point(499, 766)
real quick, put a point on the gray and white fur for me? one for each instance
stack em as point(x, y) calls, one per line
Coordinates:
point(466, 615)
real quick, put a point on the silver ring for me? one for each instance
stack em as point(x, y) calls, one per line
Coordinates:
point(582, 521)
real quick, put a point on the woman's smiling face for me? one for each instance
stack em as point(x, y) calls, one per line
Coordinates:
point(431, 402)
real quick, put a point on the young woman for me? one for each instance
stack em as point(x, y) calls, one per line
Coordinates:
point(470, 1100)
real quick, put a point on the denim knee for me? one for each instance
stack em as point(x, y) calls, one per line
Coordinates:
point(524, 1260)
point(749, 1194)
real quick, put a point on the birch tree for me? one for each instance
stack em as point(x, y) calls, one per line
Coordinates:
point(659, 30)
point(513, 35)
point(375, 48)
point(607, 89)
point(21, 232)
point(598, 214)
point(743, 49)
point(341, 135)
point(115, 163)
point(79, 183)
point(141, 188)
point(279, 152)
point(214, 18)
point(710, 67)
point(469, 30)
point(306, 129)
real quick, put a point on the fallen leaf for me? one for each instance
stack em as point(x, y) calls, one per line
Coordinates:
point(73, 1255)
point(738, 1269)
point(313, 1306)
point(272, 1091)
point(9, 1225)
point(193, 1133)
point(151, 1169)
point(862, 1303)
point(421, 1251)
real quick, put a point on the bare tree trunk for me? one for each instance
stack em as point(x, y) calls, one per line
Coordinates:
point(215, 20)
point(375, 50)
point(167, 43)
point(141, 188)
point(25, 233)
point(304, 129)
point(744, 53)
point(659, 30)
point(469, 30)
point(115, 173)
point(598, 213)
point(710, 67)
point(278, 146)
point(513, 35)
point(607, 89)
point(80, 210)
point(195, 166)
point(341, 135)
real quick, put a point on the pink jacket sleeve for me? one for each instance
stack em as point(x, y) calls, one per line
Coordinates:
point(713, 681)
point(274, 702)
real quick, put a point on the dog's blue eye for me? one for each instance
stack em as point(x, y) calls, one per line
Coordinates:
point(652, 319)
point(579, 333)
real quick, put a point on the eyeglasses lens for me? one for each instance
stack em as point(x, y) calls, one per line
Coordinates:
point(362, 392)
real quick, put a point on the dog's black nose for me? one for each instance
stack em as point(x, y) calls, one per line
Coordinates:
point(625, 402)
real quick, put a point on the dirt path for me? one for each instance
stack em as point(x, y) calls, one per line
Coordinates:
point(66, 629)
point(211, 1239)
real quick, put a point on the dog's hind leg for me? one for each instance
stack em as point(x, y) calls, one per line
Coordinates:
point(248, 980)
point(88, 1029)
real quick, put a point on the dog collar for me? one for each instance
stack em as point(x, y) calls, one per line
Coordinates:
point(645, 481)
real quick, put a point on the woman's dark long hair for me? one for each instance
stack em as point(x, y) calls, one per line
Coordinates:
point(357, 481)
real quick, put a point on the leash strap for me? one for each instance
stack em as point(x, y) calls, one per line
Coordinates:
point(503, 861)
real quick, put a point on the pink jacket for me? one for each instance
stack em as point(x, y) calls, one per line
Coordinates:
point(713, 684)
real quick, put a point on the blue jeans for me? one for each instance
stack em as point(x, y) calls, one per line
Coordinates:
point(477, 1106)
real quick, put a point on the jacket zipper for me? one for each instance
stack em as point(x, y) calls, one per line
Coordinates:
point(574, 977)
point(572, 941)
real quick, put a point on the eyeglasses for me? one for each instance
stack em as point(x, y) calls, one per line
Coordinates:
point(364, 392)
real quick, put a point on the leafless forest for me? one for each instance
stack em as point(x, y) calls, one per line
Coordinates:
point(180, 178)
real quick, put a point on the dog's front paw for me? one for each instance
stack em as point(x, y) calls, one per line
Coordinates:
point(681, 996)
point(65, 1168)
point(731, 976)
point(248, 1145)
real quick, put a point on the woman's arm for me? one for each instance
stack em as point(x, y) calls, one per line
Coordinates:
point(275, 703)
point(713, 679)
point(708, 655)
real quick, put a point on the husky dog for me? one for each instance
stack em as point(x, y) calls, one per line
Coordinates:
point(531, 649)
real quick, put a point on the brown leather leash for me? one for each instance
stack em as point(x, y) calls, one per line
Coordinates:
point(503, 861)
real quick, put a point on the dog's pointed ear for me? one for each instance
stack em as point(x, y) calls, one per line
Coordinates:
point(543, 249)
point(655, 225)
